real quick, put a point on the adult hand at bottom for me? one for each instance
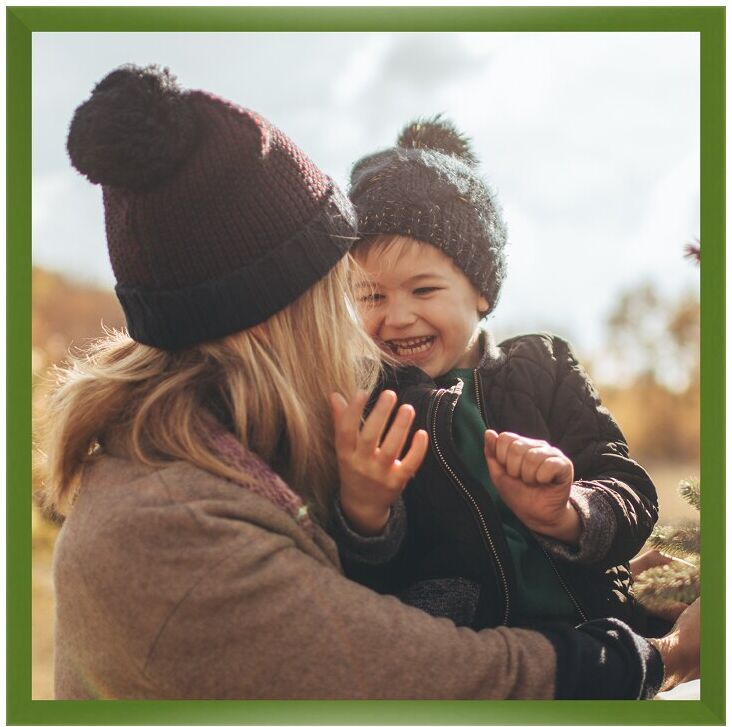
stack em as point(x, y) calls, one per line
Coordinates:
point(679, 649)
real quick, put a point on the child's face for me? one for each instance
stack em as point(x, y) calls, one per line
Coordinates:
point(421, 307)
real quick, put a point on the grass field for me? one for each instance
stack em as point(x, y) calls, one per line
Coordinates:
point(666, 477)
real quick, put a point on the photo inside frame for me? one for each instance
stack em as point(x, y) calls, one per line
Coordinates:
point(589, 140)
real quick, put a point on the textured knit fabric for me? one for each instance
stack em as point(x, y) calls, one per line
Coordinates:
point(172, 583)
point(436, 197)
point(233, 232)
point(374, 549)
point(267, 483)
point(539, 593)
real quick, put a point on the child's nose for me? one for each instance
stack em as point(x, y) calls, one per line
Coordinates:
point(399, 315)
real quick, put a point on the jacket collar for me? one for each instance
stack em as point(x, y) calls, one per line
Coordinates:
point(492, 356)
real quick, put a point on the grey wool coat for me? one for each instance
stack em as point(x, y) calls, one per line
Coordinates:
point(173, 583)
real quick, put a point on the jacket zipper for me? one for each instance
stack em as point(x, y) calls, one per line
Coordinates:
point(469, 497)
point(582, 614)
point(479, 399)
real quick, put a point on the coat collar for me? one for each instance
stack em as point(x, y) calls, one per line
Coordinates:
point(492, 356)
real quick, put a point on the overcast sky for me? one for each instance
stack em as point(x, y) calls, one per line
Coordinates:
point(590, 139)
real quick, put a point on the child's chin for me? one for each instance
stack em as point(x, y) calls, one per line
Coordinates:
point(421, 362)
point(432, 370)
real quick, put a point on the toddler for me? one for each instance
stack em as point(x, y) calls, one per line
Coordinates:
point(522, 504)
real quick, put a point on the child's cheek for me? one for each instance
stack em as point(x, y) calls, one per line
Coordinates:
point(370, 321)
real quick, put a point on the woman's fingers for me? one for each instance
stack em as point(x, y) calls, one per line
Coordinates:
point(393, 443)
point(670, 611)
point(373, 427)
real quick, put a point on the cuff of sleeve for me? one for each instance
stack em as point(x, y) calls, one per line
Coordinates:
point(373, 550)
point(598, 528)
point(656, 671)
point(604, 659)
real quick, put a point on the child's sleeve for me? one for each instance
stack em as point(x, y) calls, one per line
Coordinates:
point(613, 494)
point(372, 549)
point(372, 561)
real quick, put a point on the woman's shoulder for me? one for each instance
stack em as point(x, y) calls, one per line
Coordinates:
point(172, 550)
point(126, 505)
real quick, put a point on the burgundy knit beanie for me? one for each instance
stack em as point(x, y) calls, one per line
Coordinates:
point(215, 220)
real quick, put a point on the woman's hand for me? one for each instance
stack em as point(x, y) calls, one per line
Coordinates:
point(679, 649)
point(650, 559)
point(534, 479)
point(372, 477)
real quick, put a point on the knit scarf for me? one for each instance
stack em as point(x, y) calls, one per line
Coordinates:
point(263, 480)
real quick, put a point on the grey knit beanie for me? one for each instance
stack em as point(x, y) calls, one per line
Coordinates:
point(427, 187)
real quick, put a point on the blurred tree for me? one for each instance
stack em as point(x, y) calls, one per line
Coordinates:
point(66, 314)
point(651, 370)
point(652, 337)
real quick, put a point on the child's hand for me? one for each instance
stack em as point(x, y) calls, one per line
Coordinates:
point(533, 479)
point(372, 478)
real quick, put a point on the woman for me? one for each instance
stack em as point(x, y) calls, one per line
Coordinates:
point(194, 459)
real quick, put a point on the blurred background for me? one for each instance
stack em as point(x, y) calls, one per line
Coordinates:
point(591, 141)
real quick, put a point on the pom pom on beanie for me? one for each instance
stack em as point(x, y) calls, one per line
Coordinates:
point(437, 134)
point(134, 130)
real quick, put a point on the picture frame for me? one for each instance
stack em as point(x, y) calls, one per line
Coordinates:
point(22, 22)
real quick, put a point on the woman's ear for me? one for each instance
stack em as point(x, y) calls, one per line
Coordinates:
point(483, 308)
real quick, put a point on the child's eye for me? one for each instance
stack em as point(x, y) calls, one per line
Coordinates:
point(426, 291)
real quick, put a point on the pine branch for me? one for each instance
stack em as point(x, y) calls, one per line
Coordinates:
point(665, 584)
point(674, 540)
point(690, 491)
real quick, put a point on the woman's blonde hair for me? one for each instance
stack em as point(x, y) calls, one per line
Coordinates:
point(270, 384)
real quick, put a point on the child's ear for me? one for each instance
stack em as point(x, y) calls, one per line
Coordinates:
point(483, 308)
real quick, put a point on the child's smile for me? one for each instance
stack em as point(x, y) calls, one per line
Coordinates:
point(420, 307)
point(415, 348)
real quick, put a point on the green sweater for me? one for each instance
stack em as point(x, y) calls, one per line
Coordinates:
point(541, 595)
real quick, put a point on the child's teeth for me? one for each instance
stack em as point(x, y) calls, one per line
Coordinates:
point(412, 346)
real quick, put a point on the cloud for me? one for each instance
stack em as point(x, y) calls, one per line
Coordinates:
point(591, 140)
